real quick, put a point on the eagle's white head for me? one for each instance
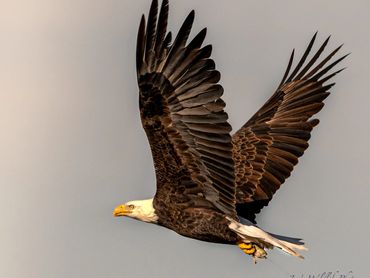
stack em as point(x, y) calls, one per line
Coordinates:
point(141, 209)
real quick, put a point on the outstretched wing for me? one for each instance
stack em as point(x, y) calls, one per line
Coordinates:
point(183, 115)
point(268, 146)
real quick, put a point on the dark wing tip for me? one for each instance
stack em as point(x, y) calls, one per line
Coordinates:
point(184, 32)
point(303, 59)
point(288, 68)
point(190, 18)
point(188, 22)
point(315, 35)
point(197, 40)
point(153, 6)
point(140, 45)
point(310, 71)
point(314, 122)
point(320, 74)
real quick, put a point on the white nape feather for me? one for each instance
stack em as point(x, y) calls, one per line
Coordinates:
point(143, 210)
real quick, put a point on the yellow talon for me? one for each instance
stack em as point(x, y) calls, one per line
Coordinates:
point(247, 248)
point(253, 250)
point(245, 245)
point(249, 251)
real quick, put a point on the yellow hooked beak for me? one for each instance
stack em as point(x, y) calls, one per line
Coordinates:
point(122, 210)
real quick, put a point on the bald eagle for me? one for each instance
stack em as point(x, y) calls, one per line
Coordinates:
point(210, 184)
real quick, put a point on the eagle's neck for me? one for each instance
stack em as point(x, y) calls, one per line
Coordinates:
point(144, 211)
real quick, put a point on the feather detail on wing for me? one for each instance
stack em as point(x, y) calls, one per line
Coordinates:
point(183, 114)
point(268, 146)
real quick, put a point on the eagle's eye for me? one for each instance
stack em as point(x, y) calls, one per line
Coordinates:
point(131, 206)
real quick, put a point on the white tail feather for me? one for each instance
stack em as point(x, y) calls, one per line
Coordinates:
point(294, 246)
point(252, 232)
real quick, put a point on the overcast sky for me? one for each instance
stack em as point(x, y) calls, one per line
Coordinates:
point(72, 146)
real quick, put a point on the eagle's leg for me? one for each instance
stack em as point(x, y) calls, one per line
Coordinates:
point(252, 249)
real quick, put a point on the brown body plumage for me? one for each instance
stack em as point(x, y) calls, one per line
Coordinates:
point(206, 178)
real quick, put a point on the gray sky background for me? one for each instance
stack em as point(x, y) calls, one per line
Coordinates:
point(72, 146)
